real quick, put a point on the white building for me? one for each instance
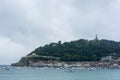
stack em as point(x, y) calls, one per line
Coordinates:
point(107, 58)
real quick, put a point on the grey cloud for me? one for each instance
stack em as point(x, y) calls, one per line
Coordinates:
point(32, 23)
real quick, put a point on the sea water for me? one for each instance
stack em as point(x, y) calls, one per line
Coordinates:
point(24, 73)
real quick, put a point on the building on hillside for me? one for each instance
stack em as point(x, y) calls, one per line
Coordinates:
point(107, 58)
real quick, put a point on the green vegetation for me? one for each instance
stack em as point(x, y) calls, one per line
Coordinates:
point(80, 50)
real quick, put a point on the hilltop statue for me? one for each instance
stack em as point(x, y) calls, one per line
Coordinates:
point(96, 38)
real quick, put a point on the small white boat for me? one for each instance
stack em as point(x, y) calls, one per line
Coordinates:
point(7, 68)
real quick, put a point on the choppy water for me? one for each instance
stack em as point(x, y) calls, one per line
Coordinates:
point(57, 74)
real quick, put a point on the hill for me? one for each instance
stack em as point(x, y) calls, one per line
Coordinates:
point(79, 50)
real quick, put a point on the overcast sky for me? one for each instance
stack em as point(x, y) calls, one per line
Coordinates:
point(28, 24)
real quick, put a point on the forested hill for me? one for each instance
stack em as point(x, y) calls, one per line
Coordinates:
point(79, 50)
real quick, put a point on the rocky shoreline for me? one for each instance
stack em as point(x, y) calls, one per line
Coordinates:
point(62, 64)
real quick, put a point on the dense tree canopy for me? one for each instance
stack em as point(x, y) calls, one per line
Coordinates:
point(80, 50)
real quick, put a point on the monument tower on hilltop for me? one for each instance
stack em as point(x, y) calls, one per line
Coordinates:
point(96, 38)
